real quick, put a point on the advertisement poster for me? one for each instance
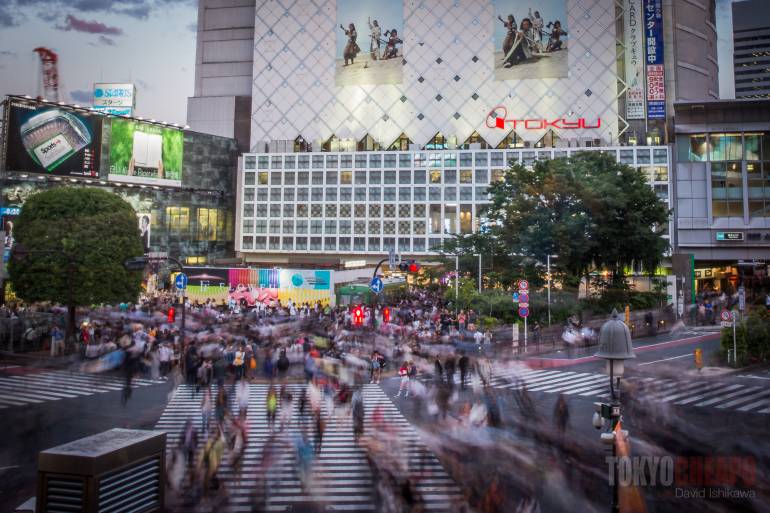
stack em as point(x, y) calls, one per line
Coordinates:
point(634, 56)
point(370, 42)
point(144, 153)
point(117, 99)
point(653, 36)
point(145, 221)
point(249, 287)
point(530, 39)
point(53, 141)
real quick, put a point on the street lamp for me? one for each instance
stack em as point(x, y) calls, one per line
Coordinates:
point(479, 255)
point(615, 347)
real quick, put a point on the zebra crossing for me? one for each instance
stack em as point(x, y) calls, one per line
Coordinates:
point(719, 395)
point(35, 388)
point(341, 476)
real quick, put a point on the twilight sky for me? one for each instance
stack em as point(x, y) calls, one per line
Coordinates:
point(148, 42)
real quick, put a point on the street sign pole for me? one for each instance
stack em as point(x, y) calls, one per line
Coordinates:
point(525, 334)
point(735, 346)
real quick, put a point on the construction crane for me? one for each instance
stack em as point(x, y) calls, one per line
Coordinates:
point(49, 73)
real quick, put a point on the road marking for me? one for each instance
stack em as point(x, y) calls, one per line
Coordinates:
point(752, 377)
point(715, 392)
point(665, 359)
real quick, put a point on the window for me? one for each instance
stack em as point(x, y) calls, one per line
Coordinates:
point(248, 226)
point(248, 243)
point(263, 162)
point(274, 242)
point(498, 175)
point(345, 227)
point(331, 210)
point(434, 193)
point(250, 162)
point(627, 156)
point(390, 160)
point(481, 176)
point(248, 194)
point(374, 177)
point(419, 211)
point(450, 160)
point(435, 176)
point(315, 243)
point(404, 244)
point(302, 194)
point(497, 158)
point(450, 176)
point(288, 194)
point(725, 147)
point(642, 156)
point(275, 226)
point(389, 210)
point(344, 210)
point(248, 179)
point(289, 162)
point(360, 160)
point(316, 210)
point(303, 178)
point(331, 161)
point(466, 159)
point(346, 194)
point(317, 178)
point(660, 174)
point(330, 227)
point(302, 210)
point(344, 244)
point(466, 193)
point(302, 226)
point(390, 194)
point(450, 193)
point(275, 194)
point(404, 211)
point(374, 227)
point(481, 193)
point(262, 210)
point(288, 227)
point(331, 178)
point(360, 177)
point(390, 177)
point(275, 178)
point(316, 226)
point(275, 163)
point(659, 156)
point(434, 160)
point(759, 189)
point(388, 243)
point(260, 243)
point(288, 211)
point(359, 244)
point(404, 160)
point(375, 194)
point(481, 159)
point(359, 227)
point(450, 219)
point(301, 243)
point(434, 244)
point(287, 244)
point(359, 210)
point(318, 161)
point(751, 144)
point(404, 228)
point(331, 193)
point(419, 227)
point(435, 219)
point(404, 177)
point(726, 189)
point(360, 194)
point(316, 194)
point(260, 226)
point(419, 176)
point(262, 194)
point(419, 194)
point(466, 176)
point(303, 162)
point(418, 245)
point(248, 211)
point(374, 160)
point(404, 194)
point(374, 211)
point(466, 222)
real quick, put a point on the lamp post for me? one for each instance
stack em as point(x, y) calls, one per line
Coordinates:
point(479, 255)
point(457, 280)
point(548, 270)
point(615, 347)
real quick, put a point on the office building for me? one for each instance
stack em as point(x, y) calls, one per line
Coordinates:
point(751, 42)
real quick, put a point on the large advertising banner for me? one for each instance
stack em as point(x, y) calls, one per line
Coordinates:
point(250, 287)
point(530, 39)
point(145, 221)
point(656, 77)
point(144, 153)
point(633, 38)
point(370, 42)
point(53, 141)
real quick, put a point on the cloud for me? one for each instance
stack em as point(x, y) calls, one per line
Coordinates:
point(106, 41)
point(8, 18)
point(144, 85)
point(193, 27)
point(139, 9)
point(7, 53)
point(89, 27)
point(82, 96)
point(48, 15)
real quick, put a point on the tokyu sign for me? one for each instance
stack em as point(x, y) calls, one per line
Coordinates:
point(498, 118)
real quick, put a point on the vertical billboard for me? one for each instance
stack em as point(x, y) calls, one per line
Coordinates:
point(530, 39)
point(633, 37)
point(370, 42)
point(656, 77)
point(117, 99)
point(53, 141)
point(144, 220)
point(145, 153)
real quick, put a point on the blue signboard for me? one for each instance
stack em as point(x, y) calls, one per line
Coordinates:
point(376, 285)
point(653, 49)
point(181, 281)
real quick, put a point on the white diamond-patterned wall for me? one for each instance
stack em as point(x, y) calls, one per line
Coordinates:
point(294, 92)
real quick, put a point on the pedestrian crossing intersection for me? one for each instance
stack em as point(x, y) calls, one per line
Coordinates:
point(698, 393)
point(36, 388)
point(341, 476)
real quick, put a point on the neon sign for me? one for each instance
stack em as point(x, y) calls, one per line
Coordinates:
point(498, 118)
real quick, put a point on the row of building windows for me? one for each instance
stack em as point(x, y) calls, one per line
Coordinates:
point(728, 191)
point(346, 194)
point(723, 147)
point(433, 160)
point(357, 244)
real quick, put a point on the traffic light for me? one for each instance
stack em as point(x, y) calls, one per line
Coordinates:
point(409, 267)
point(386, 314)
point(358, 316)
point(171, 314)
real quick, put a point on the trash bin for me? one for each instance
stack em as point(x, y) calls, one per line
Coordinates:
point(114, 471)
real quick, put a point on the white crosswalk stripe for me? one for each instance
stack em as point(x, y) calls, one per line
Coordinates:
point(699, 393)
point(36, 388)
point(341, 478)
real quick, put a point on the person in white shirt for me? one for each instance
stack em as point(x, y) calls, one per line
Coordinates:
point(164, 354)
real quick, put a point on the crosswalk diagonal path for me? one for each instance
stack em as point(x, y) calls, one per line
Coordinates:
point(342, 475)
point(36, 388)
point(698, 393)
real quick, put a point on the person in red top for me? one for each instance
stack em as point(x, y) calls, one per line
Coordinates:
point(404, 373)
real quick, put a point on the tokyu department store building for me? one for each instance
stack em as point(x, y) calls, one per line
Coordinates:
point(367, 137)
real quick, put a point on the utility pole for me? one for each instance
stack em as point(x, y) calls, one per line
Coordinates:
point(548, 266)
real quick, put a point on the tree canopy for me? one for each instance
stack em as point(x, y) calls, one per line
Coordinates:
point(76, 240)
point(590, 211)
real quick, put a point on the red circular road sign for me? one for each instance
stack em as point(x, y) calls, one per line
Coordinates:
point(726, 315)
point(523, 297)
point(523, 285)
point(523, 312)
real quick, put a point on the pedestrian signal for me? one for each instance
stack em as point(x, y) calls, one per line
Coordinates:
point(386, 314)
point(409, 267)
point(358, 316)
point(171, 314)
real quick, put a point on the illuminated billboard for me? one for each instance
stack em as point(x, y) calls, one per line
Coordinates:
point(144, 153)
point(117, 99)
point(53, 140)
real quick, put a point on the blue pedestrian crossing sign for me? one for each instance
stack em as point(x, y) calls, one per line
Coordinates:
point(376, 285)
point(181, 281)
point(515, 297)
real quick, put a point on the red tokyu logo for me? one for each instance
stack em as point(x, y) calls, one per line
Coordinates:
point(498, 118)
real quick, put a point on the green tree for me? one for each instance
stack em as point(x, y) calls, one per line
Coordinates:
point(72, 243)
point(589, 210)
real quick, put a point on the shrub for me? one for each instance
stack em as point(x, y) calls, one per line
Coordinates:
point(752, 338)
